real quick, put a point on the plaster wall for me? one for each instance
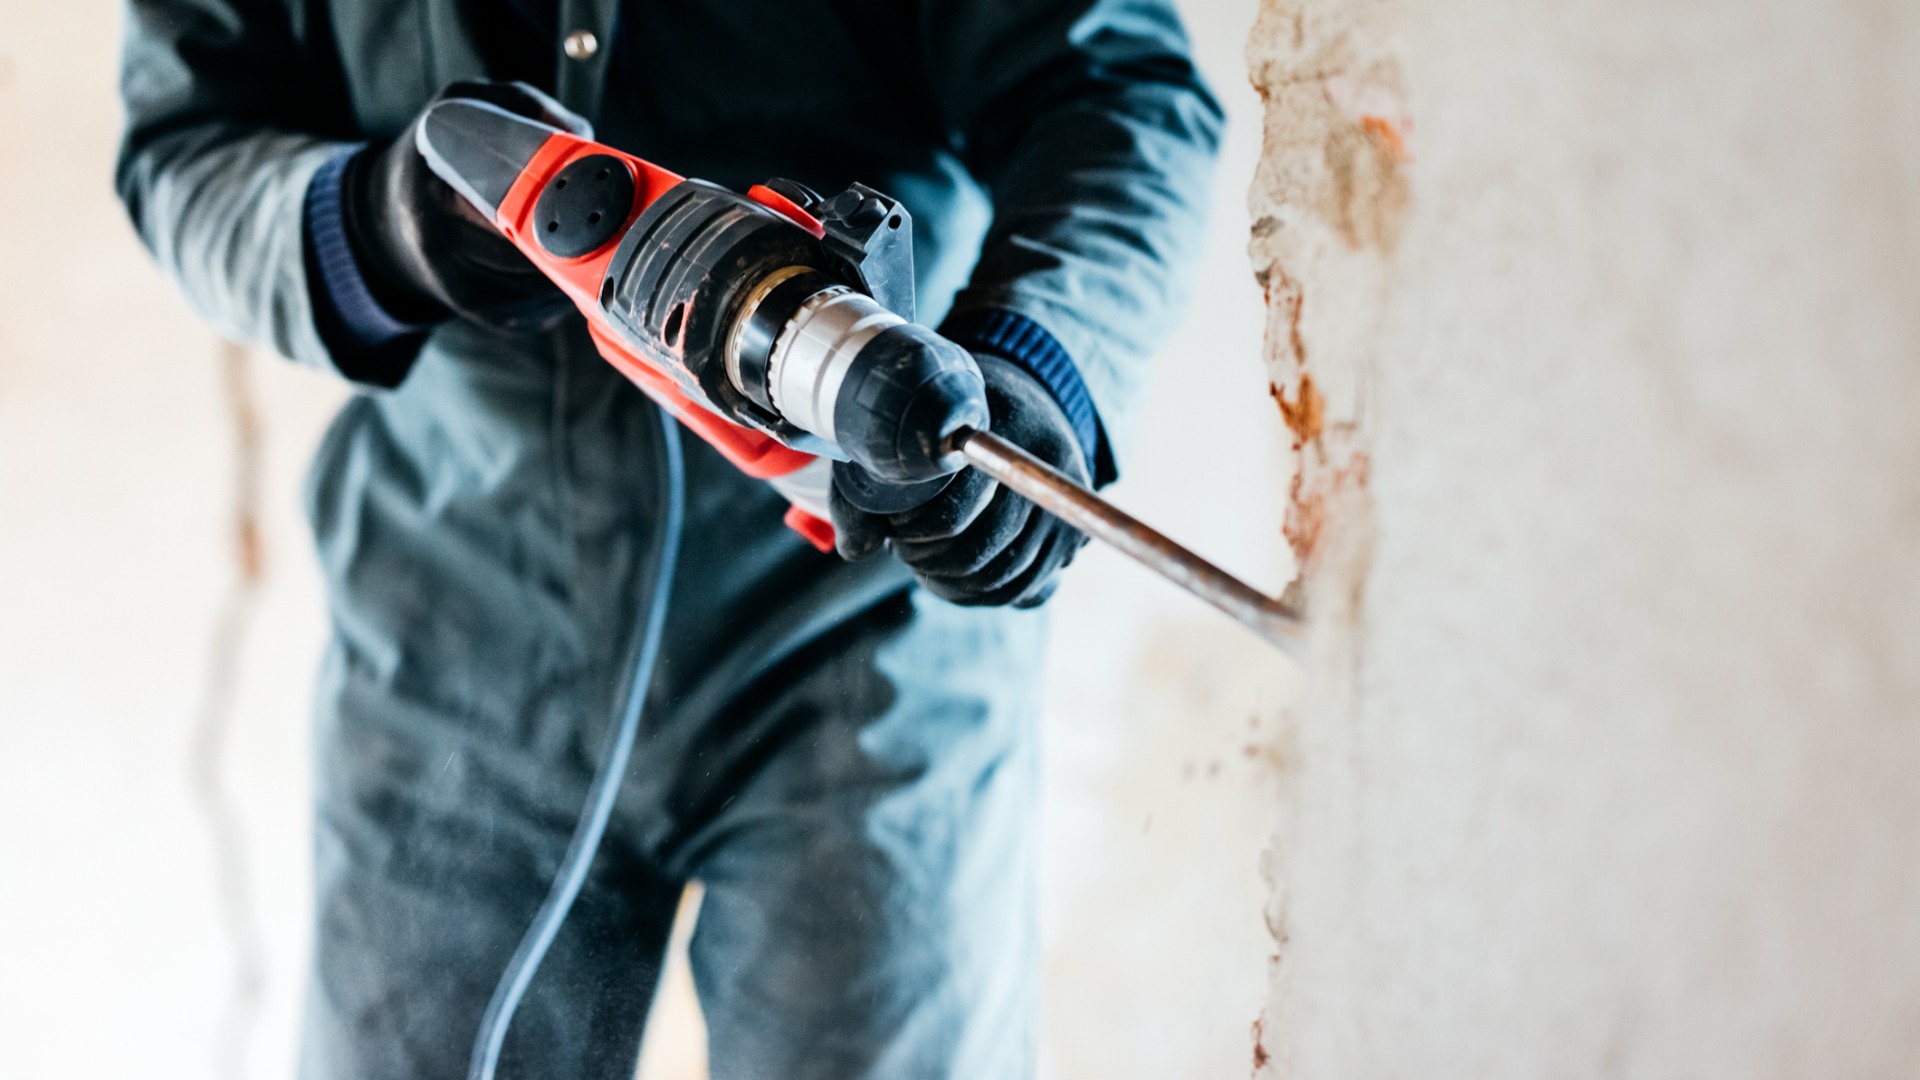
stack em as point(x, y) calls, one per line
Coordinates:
point(1598, 328)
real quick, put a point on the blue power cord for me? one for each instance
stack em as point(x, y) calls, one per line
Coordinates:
point(606, 783)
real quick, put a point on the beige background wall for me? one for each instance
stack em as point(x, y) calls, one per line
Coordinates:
point(1611, 488)
point(117, 561)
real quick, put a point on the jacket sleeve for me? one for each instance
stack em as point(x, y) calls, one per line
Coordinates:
point(1096, 139)
point(231, 107)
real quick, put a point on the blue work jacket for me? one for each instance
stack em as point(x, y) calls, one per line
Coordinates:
point(481, 510)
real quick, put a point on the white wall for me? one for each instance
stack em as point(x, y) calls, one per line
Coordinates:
point(1164, 742)
point(1606, 767)
point(117, 555)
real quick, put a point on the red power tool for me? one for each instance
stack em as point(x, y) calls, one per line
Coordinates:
point(777, 325)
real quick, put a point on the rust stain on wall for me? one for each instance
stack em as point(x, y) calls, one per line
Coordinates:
point(1366, 156)
point(1314, 507)
point(1331, 200)
point(1390, 136)
point(1305, 414)
point(1369, 190)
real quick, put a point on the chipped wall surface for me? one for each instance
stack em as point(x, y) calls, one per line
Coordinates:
point(1598, 329)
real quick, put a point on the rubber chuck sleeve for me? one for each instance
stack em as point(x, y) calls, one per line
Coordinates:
point(905, 395)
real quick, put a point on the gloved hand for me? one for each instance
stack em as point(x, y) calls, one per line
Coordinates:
point(976, 543)
point(426, 253)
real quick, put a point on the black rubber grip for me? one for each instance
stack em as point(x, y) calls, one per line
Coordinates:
point(906, 393)
point(585, 206)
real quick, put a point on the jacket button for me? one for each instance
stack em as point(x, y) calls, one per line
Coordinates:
point(581, 45)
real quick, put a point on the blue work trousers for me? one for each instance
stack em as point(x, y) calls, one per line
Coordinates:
point(846, 765)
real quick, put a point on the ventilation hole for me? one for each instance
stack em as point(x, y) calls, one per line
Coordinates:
point(553, 226)
point(893, 222)
point(593, 218)
point(671, 332)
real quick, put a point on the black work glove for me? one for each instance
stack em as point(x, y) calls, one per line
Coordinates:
point(426, 253)
point(977, 543)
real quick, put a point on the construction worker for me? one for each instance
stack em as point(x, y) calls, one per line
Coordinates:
point(841, 751)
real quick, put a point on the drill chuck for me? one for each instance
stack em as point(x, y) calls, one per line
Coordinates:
point(904, 397)
point(810, 357)
point(834, 362)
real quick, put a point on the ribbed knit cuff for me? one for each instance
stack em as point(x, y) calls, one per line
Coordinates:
point(368, 344)
point(1012, 335)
